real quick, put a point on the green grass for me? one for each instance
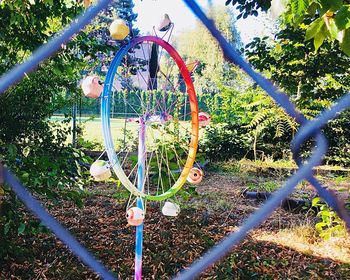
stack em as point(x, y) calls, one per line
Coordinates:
point(92, 130)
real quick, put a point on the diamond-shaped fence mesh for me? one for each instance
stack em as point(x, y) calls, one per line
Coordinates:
point(309, 129)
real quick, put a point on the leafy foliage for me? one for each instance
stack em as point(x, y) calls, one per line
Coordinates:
point(270, 115)
point(225, 141)
point(32, 147)
point(313, 80)
point(49, 169)
point(269, 118)
point(331, 19)
point(198, 44)
point(338, 132)
point(330, 224)
point(247, 113)
point(249, 8)
point(293, 65)
point(26, 25)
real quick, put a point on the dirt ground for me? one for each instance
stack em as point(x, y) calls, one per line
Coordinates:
point(172, 244)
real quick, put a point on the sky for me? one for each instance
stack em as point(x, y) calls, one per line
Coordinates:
point(150, 12)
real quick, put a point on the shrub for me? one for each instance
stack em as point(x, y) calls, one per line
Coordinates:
point(225, 141)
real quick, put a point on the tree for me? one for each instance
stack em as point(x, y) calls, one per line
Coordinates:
point(198, 44)
point(330, 19)
point(31, 146)
point(313, 80)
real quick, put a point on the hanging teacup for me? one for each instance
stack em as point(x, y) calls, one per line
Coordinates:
point(170, 209)
point(100, 170)
point(91, 87)
point(119, 29)
point(165, 23)
point(195, 176)
point(135, 216)
point(204, 119)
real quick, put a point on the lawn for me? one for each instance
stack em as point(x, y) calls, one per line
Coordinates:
point(92, 130)
point(92, 127)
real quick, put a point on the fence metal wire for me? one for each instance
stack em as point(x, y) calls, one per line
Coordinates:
point(309, 129)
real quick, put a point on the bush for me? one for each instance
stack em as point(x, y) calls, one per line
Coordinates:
point(35, 150)
point(50, 170)
point(337, 132)
point(329, 224)
point(225, 141)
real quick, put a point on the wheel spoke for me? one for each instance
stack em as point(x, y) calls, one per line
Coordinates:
point(165, 111)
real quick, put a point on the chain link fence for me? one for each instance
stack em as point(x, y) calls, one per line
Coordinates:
point(309, 130)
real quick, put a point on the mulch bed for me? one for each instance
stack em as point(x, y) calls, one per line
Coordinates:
point(170, 244)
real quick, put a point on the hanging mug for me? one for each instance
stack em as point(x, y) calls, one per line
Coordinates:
point(100, 170)
point(135, 216)
point(195, 176)
point(170, 209)
point(91, 87)
point(203, 119)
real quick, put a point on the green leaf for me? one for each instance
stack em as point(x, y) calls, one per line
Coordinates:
point(299, 8)
point(314, 28)
point(312, 9)
point(326, 5)
point(332, 28)
point(339, 228)
point(26, 151)
point(25, 175)
point(342, 18)
point(345, 44)
point(170, 155)
point(21, 228)
point(319, 226)
point(78, 168)
point(7, 228)
point(76, 155)
point(12, 151)
point(50, 2)
point(315, 201)
point(319, 38)
point(133, 159)
point(325, 235)
point(173, 166)
point(302, 6)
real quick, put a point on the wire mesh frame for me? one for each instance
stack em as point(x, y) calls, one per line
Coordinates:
point(309, 129)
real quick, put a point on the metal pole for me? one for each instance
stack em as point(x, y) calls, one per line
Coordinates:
point(139, 203)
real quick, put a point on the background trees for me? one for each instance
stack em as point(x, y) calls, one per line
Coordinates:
point(198, 44)
point(314, 74)
point(314, 78)
point(305, 60)
point(331, 19)
point(35, 148)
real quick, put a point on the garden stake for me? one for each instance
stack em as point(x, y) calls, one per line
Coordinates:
point(139, 204)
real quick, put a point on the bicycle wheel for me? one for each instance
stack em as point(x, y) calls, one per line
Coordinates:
point(150, 118)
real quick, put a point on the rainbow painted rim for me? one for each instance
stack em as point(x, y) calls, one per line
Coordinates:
point(106, 127)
